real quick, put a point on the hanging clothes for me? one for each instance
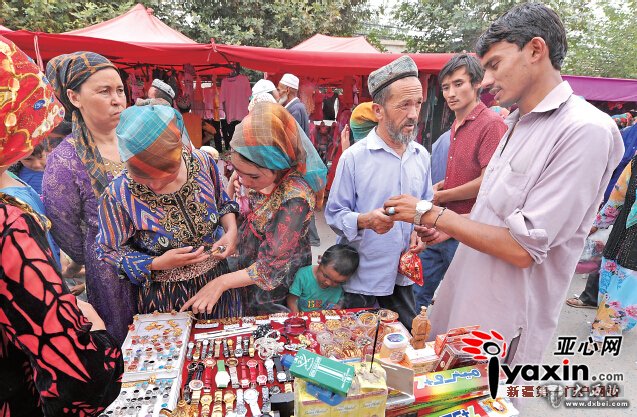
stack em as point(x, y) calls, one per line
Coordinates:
point(235, 97)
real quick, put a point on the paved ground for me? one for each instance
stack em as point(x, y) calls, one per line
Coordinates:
point(573, 322)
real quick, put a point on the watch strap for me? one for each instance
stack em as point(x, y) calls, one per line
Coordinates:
point(221, 366)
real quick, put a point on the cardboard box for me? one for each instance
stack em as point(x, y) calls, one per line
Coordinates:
point(369, 400)
point(451, 336)
point(324, 372)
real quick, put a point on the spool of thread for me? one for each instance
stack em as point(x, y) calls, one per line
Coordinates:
point(394, 345)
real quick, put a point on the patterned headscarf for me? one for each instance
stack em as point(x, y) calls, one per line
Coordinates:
point(363, 120)
point(149, 141)
point(623, 120)
point(28, 107)
point(271, 138)
point(70, 71)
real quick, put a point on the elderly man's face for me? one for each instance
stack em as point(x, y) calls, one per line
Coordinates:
point(399, 116)
point(282, 90)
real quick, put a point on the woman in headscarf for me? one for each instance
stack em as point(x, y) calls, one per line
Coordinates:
point(55, 356)
point(617, 298)
point(361, 122)
point(78, 171)
point(276, 161)
point(160, 219)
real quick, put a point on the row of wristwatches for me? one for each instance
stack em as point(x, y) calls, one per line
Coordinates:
point(204, 349)
point(254, 374)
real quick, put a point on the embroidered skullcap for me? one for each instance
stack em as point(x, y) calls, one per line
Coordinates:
point(402, 67)
point(260, 98)
point(150, 141)
point(28, 107)
point(162, 86)
point(290, 80)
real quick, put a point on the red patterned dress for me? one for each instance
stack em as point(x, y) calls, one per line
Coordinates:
point(51, 364)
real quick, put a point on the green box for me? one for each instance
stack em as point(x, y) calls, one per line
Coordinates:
point(324, 372)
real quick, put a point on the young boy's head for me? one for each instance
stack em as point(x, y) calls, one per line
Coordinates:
point(37, 160)
point(336, 265)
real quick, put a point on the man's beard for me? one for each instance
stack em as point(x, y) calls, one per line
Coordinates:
point(403, 138)
point(283, 100)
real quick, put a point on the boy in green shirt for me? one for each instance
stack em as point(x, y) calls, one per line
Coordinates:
point(319, 287)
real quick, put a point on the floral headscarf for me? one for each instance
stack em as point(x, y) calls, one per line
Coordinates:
point(28, 108)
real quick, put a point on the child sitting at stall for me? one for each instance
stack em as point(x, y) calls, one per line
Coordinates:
point(30, 169)
point(319, 287)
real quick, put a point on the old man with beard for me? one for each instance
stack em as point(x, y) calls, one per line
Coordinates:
point(386, 162)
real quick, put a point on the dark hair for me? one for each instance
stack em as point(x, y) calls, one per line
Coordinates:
point(469, 62)
point(521, 24)
point(343, 258)
point(161, 94)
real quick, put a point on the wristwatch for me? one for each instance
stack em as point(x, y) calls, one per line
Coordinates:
point(197, 354)
point(238, 352)
point(217, 348)
point(232, 367)
point(196, 385)
point(269, 365)
point(267, 406)
point(262, 378)
point(230, 348)
point(226, 350)
point(252, 366)
point(187, 391)
point(191, 347)
point(287, 387)
point(241, 409)
point(205, 402)
point(217, 409)
point(422, 207)
point(204, 348)
point(281, 376)
point(222, 378)
point(251, 397)
point(207, 373)
point(245, 382)
point(251, 347)
point(229, 398)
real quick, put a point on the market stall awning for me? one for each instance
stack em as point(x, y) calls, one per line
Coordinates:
point(603, 89)
point(48, 45)
point(323, 43)
point(138, 26)
point(322, 64)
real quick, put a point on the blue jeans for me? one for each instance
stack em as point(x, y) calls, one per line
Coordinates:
point(435, 261)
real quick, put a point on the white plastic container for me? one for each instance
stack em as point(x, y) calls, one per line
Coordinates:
point(394, 346)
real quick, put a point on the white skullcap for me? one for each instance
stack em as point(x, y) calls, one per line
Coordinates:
point(290, 80)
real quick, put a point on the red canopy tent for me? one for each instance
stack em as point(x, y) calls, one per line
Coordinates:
point(323, 43)
point(138, 26)
point(321, 64)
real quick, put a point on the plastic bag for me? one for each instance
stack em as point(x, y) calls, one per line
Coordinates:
point(591, 257)
point(410, 266)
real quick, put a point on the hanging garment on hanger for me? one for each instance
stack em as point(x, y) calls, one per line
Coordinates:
point(235, 97)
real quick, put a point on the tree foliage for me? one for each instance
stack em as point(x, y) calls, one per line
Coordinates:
point(273, 23)
point(596, 30)
point(55, 16)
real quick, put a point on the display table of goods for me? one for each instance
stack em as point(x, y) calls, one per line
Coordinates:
point(154, 355)
point(233, 367)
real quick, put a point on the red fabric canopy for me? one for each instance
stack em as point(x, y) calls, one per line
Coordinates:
point(322, 64)
point(138, 26)
point(323, 43)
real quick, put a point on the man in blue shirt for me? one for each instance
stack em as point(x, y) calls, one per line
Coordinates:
point(387, 162)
